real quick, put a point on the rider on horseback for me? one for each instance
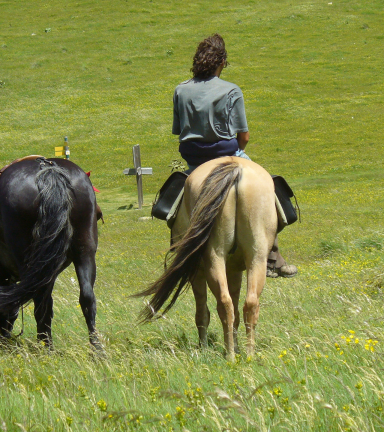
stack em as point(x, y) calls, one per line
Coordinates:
point(209, 117)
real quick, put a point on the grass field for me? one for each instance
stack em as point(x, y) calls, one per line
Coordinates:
point(103, 74)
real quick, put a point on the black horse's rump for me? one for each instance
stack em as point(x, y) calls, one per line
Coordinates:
point(47, 252)
point(48, 219)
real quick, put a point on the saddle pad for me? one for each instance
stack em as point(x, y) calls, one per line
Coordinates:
point(174, 209)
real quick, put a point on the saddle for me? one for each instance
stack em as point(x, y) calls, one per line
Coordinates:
point(170, 195)
point(286, 211)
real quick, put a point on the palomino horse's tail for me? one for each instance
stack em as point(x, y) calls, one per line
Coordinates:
point(188, 251)
point(50, 239)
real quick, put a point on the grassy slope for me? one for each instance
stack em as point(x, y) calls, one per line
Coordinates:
point(103, 73)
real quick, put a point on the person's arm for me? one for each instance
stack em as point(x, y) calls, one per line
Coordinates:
point(176, 129)
point(242, 139)
point(238, 120)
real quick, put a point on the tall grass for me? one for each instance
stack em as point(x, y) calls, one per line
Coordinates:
point(103, 74)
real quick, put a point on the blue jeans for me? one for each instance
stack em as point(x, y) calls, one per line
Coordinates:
point(242, 154)
point(239, 153)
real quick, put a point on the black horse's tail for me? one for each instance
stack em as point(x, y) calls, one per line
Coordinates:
point(51, 237)
point(188, 251)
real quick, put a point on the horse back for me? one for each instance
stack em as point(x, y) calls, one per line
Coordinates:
point(18, 190)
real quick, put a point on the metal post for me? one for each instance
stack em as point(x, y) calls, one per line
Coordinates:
point(66, 148)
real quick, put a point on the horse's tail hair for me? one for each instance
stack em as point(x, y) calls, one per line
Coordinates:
point(188, 251)
point(51, 237)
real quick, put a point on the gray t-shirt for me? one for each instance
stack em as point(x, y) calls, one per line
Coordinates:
point(208, 110)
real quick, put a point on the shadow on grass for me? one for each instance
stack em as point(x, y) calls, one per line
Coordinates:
point(126, 207)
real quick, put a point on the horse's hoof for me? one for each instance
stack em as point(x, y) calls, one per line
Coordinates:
point(98, 350)
point(4, 340)
point(231, 358)
point(203, 345)
point(5, 336)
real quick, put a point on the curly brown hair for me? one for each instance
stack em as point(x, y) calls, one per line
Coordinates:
point(208, 57)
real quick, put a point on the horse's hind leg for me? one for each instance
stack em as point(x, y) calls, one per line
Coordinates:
point(6, 319)
point(85, 266)
point(234, 285)
point(43, 312)
point(202, 317)
point(217, 281)
point(6, 323)
point(256, 276)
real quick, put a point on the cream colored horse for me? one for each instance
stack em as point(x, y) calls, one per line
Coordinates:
point(226, 224)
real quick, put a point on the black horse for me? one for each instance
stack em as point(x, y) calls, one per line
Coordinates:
point(48, 219)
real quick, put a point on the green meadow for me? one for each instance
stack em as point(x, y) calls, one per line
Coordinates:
point(103, 74)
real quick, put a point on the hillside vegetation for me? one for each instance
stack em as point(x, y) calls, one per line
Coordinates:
point(103, 73)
